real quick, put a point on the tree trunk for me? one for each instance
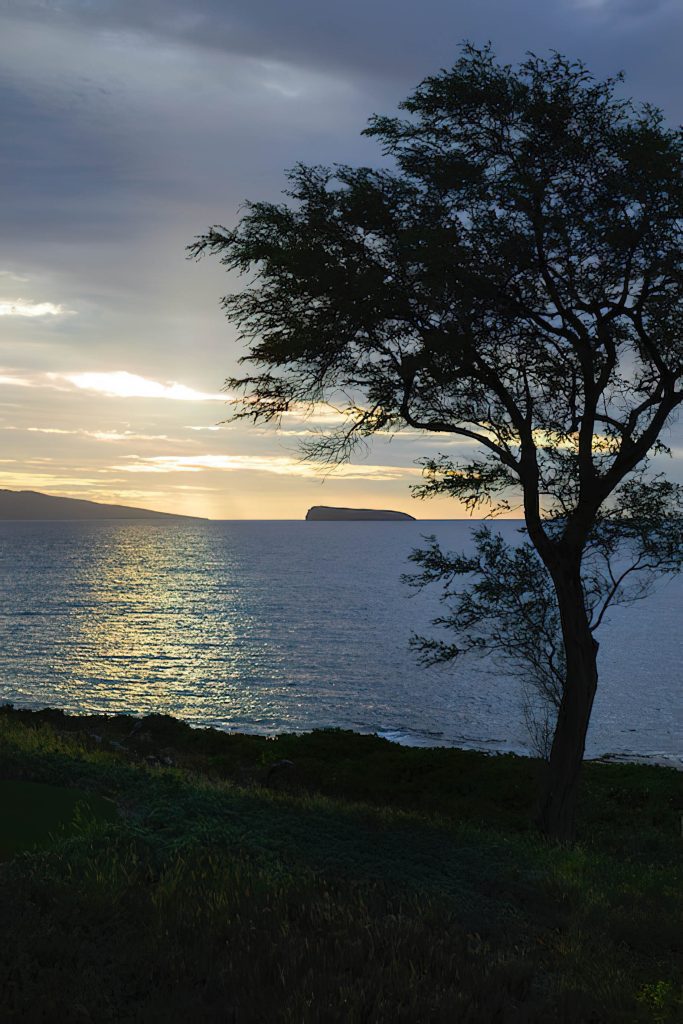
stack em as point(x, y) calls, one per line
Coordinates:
point(557, 809)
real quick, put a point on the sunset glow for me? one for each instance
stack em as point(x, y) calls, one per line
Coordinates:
point(31, 309)
point(131, 135)
point(122, 384)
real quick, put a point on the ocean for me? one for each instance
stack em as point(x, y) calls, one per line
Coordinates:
point(287, 626)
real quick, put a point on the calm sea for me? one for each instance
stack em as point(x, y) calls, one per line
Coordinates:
point(281, 626)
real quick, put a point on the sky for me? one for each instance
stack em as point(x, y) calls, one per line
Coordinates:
point(131, 126)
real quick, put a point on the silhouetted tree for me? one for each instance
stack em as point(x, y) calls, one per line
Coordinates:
point(507, 606)
point(512, 277)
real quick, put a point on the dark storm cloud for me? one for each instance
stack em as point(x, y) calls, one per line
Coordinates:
point(61, 160)
point(370, 37)
point(103, 128)
point(376, 38)
point(115, 104)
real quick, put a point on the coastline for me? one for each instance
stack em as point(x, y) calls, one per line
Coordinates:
point(400, 738)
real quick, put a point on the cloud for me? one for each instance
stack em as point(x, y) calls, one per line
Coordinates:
point(14, 278)
point(10, 378)
point(129, 435)
point(107, 436)
point(628, 8)
point(374, 40)
point(25, 307)
point(315, 412)
point(124, 116)
point(111, 384)
point(122, 384)
point(281, 465)
point(22, 479)
point(45, 430)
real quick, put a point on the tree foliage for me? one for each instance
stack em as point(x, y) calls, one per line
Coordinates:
point(512, 277)
point(516, 279)
point(500, 600)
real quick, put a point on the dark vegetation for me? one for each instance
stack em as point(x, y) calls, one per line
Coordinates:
point(326, 877)
point(36, 813)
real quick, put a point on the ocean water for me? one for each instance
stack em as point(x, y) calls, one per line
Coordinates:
point(282, 626)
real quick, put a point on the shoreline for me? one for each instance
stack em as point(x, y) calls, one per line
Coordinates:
point(396, 737)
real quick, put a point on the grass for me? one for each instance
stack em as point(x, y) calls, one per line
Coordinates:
point(34, 814)
point(361, 881)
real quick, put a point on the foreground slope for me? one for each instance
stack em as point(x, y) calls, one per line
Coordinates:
point(331, 877)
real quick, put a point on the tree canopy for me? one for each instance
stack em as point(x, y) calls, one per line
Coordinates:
point(511, 276)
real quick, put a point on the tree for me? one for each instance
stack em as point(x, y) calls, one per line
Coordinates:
point(508, 608)
point(512, 276)
point(506, 611)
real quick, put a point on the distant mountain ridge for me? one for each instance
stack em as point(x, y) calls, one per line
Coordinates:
point(329, 513)
point(34, 505)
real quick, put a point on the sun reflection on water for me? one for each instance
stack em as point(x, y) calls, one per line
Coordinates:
point(275, 626)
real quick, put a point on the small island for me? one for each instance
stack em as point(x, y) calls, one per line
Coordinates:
point(329, 513)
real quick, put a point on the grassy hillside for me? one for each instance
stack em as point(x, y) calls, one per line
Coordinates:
point(327, 877)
